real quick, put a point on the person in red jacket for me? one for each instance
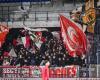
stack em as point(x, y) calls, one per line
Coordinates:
point(45, 71)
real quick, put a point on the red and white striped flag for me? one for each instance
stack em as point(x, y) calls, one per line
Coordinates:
point(73, 37)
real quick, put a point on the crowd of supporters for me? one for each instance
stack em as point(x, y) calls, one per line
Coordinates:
point(24, 47)
point(35, 50)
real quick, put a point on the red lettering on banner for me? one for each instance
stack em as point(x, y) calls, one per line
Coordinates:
point(63, 72)
point(51, 73)
point(71, 71)
point(58, 72)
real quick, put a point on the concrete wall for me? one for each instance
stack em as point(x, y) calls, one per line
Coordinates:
point(37, 15)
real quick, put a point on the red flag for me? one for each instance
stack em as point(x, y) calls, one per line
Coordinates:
point(3, 32)
point(27, 41)
point(73, 37)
